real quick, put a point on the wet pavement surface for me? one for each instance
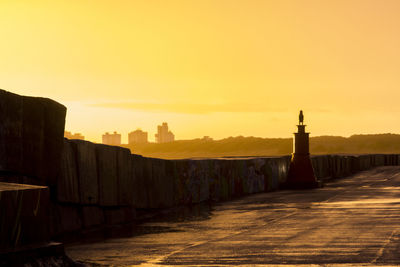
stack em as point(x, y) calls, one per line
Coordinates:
point(353, 221)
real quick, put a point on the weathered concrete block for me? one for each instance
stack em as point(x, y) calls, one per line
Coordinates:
point(160, 189)
point(33, 138)
point(181, 194)
point(315, 162)
point(68, 184)
point(380, 160)
point(333, 165)
point(171, 173)
point(254, 177)
point(221, 181)
point(125, 177)
point(365, 162)
point(275, 171)
point(225, 179)
point(107, 174)
point(155, 183)
point(343, 166)
point(192, 182)
point(338, 168)
point(24, 215)
point(154, 186)
point(394, 160)
point(239, 174)
point(92, 216)
point(10, 132)
point(354, 164)
point(213, 179)
point(196, 183)
point(65, 219)
point(228, 178)
point(205, 177)
point(87, 171)
point(54, 126)
point(349, 170)
point(360, 163)
point(42, 138)
point(273, 174)
point(142, 171)
point(327, 167)
point(321, 166)
point(271, 181)
point(284, 163)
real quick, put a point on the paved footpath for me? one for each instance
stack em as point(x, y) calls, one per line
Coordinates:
point(354, 221)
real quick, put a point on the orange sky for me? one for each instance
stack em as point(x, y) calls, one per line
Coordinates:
point(217, 68)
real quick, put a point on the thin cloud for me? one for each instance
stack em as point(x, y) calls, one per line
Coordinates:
point(188, 108)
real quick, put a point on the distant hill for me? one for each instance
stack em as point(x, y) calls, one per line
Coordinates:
point(256, 146)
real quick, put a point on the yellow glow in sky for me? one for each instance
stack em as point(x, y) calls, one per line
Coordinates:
point(217, 68)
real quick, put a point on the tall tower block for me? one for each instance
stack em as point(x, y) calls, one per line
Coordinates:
point(301, 173)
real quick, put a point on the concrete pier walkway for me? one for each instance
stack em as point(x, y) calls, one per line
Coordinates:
point(352, 221)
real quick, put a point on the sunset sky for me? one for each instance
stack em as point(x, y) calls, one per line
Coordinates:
point(217, 68)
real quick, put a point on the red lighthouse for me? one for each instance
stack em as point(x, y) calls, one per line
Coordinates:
point(301, 173)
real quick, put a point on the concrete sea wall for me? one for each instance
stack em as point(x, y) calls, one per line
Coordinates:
point(101, 186)
point(31, 146)
point(87, 188)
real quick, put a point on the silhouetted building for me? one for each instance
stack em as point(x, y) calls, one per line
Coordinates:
point(137, 137)
point(69, 135)
point(112, 139)
point(163, 135)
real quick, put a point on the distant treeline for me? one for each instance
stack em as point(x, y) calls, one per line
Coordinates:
point(255, 146)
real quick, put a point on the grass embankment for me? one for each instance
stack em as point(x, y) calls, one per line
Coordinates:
point(255, 146)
